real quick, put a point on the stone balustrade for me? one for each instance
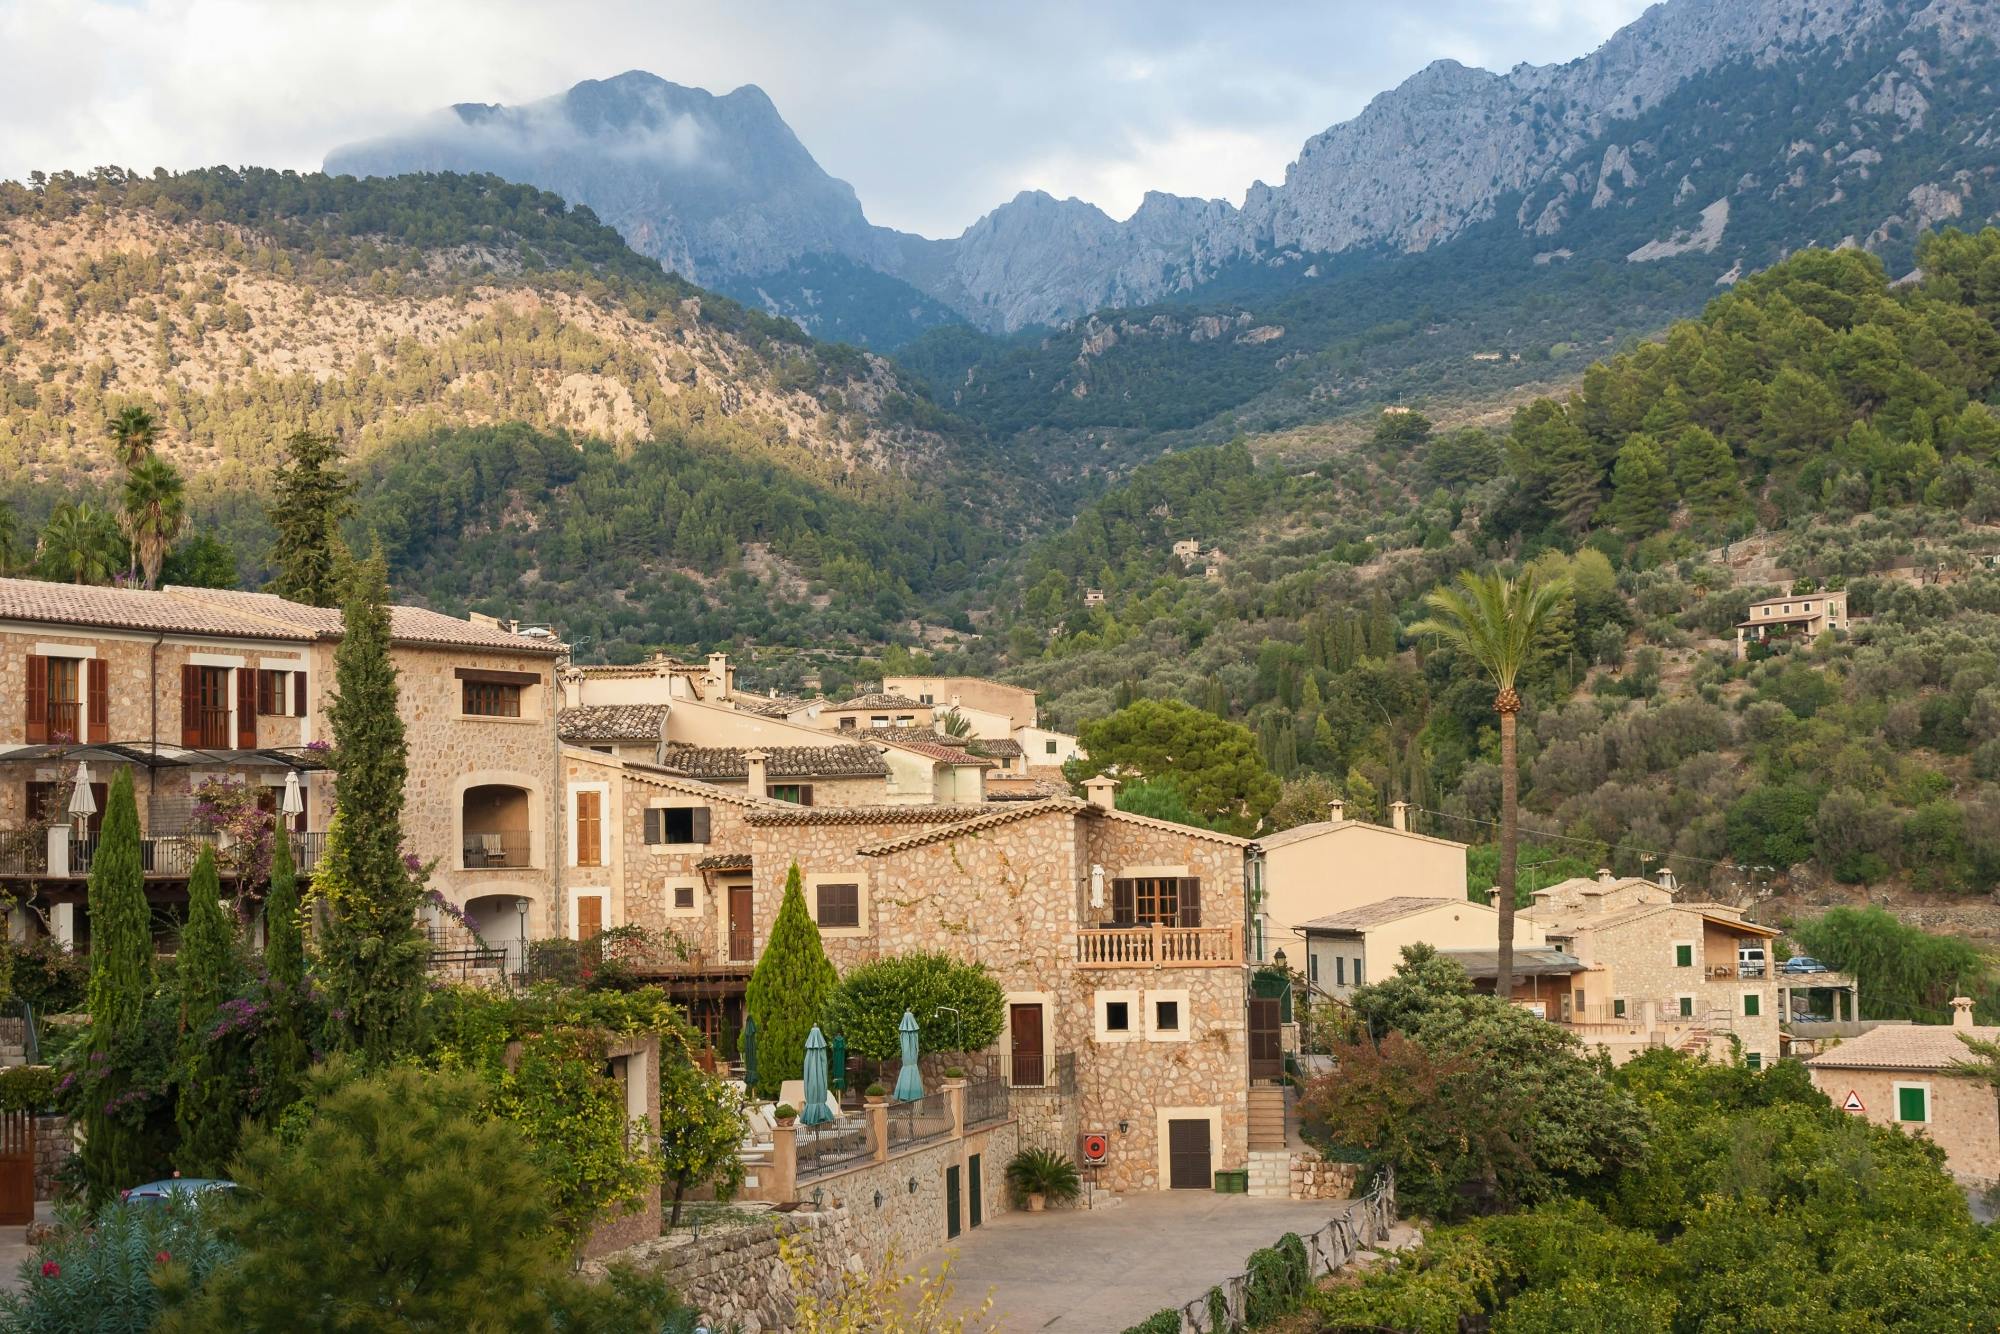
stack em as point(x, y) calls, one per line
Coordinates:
point(1159, 946)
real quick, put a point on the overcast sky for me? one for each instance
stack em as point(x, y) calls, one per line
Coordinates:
point(934, 111)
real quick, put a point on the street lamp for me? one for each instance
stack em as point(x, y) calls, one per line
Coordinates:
point(1278, 956)
point(521, 907)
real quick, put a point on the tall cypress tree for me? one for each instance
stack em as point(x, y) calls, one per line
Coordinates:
point(207, 1108)
point(116, 1151)
point(312, 497)
point(373, 955)
point(286, 1051)
point(789, 989)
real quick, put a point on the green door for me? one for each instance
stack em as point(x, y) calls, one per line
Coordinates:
point(976, 1206)
point(951, 1202)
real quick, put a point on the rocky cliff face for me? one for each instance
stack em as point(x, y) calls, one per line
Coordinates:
point(721, 190)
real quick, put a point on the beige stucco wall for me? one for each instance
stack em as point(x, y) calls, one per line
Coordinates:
point(1449, 926)
point(1002, 707)
point(1349, 866)
point(1965, 1114)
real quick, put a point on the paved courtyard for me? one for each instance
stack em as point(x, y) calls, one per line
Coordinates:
point(1102, 1270)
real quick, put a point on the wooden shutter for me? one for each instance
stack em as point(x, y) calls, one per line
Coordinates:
point(38, 699)
point(805, 794)
point(656, 825)
point(246, 709)
point(190, 706)
point(100, 702)
point(589, 829)
point(1124, 903)
point(701, 824)
point(589, 914)
point(1190, 902)
point(298, 694)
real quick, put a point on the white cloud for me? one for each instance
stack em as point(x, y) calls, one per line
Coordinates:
point(934, 112)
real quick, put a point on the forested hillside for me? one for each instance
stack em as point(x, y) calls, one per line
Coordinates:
point(1816, 426)
point(543, 420)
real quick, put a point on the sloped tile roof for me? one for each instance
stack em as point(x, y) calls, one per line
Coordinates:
point(1905, 1047)
point(782, 814)
point(408, 625)
point(931, 745)
point(724, 861)
point(876, 699)
point(769, 706)
point(612, 722)
point(995, 749)
point(1382, 910)
point(726, 763)
point(978, 824)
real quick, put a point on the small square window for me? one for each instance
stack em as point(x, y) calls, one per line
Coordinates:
point(1753, 1005)
point(1167, 1016)
point(1117, 1016)
point(684, 896)
point(839, 905)
point(1687, 1007)
point(1754, 1059)
point(1913, 1104)
point(1048, 747)
point(798, 794)
point(1683, 956)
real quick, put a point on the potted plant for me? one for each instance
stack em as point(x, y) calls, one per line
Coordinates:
point(954, 1072)
point(786, 1113)
point(876, 1094)
point(1037, 1176)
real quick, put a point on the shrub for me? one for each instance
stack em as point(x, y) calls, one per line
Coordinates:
point(1045, 1173)
point(785, 1111)
point(1160, 1322)
point(958, 1006)
point(27, 1088)
point(114, 1272)
point(1280, 1277)
point(877, 1090)
point(47, 976)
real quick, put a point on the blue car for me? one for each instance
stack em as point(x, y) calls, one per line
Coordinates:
point(174, 1190)
point(1800, 963)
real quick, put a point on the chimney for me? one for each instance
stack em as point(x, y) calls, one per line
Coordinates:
point(1961, 1012)
point(1493, 896)
point(1102, 791)
point(759, 777)
point(1604, 876)
point(1399, 815)
point(1336, 810)
point(1667, 881)
point(718, 671)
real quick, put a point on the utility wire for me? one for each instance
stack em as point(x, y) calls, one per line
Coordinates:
point(1548, 834)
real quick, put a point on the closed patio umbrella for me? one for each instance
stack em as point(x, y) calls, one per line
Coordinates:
point(837, 1063)
point(815, 1113)
point(82, 802)
point(910, 1081)
point(294, 801)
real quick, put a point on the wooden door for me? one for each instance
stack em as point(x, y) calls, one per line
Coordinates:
point(1028, 1051)
point(589, 914)
point(1267, 1057)
point(975, 1203)
point(739, 924)
point(951, 1201)
point(1187, 1156)
point(17, 1168)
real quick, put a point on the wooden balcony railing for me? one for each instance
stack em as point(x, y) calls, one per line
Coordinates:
point(1159, 947)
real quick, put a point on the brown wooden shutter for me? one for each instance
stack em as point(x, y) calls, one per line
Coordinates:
point(701, 824)
point(1124, 903)
point(1190, 905)
point(246, 709)
point(656, 820)
point(589, 830)
point(805, 794)
point(100, 702)
point(190, 706)
point(298, 694)
point(38, 699)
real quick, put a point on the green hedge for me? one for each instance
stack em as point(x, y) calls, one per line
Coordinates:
point(1160, 1322)
point(27, 1088)
point(1280, 1279)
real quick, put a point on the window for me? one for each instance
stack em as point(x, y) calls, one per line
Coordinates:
point(1357, 971)
point(1048, 748)
point(1167, 1016)
point(1754, 1060)
point(492, 699)
point(1117, 1016)
point(1753, 1005)
point(1312, 968)
point(1156, 901)
point(1687, 1007)
point(55, 691)
point(677, 824)
point(799, 794)
point(1340, 970)
point(205, 707)
point(1683, 956)
point(281, 693)
point(847, 723)
point(590, 829)
point(879, 720)
point(1618, 1008)
point(605, 750)
point(925, 699)
point(1913, 1103)
point(1808, 606)
point(65, 698)
point(839, 905)
point(684, 896)
point(1579, 1000)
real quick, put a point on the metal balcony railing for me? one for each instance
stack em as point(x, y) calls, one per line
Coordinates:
point(500, 848)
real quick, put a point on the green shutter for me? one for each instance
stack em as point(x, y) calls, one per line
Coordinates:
point(1755, 1060)
point(1913, 1105)
point(1687, 1007)
point(1618, 1007)
point(1683, 956)
point(1753, 1005)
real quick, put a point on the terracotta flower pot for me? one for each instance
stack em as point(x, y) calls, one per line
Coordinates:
point(1036, 1203)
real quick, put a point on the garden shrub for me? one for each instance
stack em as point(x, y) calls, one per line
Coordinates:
point(116, 1272)
point(27, 1088)
point(1279, 1279)
point(1160, 1322)
point(958, 1006)
point(1218, 1311)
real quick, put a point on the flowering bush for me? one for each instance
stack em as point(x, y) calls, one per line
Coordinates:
point(228, 806)
point(115, 1272)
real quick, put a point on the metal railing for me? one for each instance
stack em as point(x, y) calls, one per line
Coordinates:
point(823, 1149)
point(919, 1119)
point(986, 1099)
point(307, 848)
point(1158, 947)
point(464, 963)
point(18, 1028)
point(24, 852)
point(1052, 1072)
point(493, 849)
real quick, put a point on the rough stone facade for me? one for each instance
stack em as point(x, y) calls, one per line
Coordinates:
point(55, 1143)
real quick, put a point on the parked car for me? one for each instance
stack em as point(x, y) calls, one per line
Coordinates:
point(1750, 960)
point(1803, 963)
point(175, 1189)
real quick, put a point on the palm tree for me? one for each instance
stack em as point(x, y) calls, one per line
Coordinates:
point(10, 539)
point(1496, 622)
point(954, 724)
point(155, 513)
point(79, 543)
point(133, 432)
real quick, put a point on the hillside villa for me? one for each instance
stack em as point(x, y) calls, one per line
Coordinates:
point(1803, 614)
point(1339, 864)
point(1910, 1076)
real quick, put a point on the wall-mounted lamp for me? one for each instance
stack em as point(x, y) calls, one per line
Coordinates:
point(1124, 1127)
point(1278, 956)
point(913, 1185)
point(878, 1199)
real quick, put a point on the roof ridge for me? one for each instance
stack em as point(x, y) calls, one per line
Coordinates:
point(958, 829)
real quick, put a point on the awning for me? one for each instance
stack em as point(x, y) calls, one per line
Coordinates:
point(145, 755)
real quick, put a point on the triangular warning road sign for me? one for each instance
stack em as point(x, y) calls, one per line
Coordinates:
point(1853, 1103)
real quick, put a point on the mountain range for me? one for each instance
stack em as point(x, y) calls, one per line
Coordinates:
point(722, 191)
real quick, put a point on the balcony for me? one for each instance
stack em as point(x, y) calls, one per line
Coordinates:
point(1159, 947)
point(495, 819)
point(497, 850)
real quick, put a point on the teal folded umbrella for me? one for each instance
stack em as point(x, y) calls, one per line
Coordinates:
point(837, 1063)
point(909, 1083)
point(815, 1112)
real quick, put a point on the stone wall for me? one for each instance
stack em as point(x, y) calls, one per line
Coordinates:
point(1313, 1178)
point(55, 1142)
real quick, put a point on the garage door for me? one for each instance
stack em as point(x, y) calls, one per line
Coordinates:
point(1187, 1155)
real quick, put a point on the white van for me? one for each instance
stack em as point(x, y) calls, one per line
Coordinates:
point(1751, 961)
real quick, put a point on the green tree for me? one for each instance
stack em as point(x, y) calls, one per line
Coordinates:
point(287, 1051)
point(789, 989)
point(116, 1153)
point(1772, 825)
point(79, 544)
point(1158, 801)
point(11, 554)
point(1306, 799)
point(1642, 494)
point(208, 1103)
point(442, 1224)
point(201, 561)
point(1557, 464)
point(1706, 474)
point(134, 433)
point(373, 957)
point(1214, 763)
point(155, 513)
point(701, 1132)
point(311, 498)
point(1497, 622)
point(958, 1006)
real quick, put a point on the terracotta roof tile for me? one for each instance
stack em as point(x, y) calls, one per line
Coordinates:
point(1382, 910)
point(1905, 1047)
point(724, 861)
point(821, 815)
point(37, 600)
point(612, 722)
point(724, 763)
point(407, 625)
point(876, 699)
point(978, 824)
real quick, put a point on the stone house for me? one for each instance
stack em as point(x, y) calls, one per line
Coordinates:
point(1349, 949)
point(1339, 864)
point(190, 687)
point(1803, 614)
point(1908, 1075)
point(1697, 976)
point(877, 708)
